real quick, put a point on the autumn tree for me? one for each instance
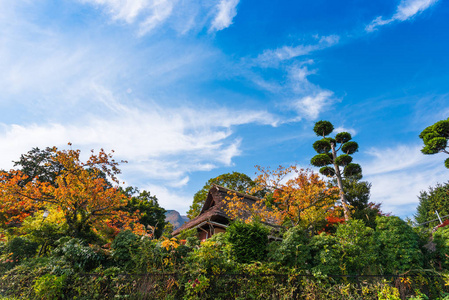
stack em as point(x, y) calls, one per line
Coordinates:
point(435, 138)
point(329, 160)
point(295, 196)
point(235, 181)
point(80, 193)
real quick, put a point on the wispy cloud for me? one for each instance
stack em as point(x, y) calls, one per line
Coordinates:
point(308, 99)
point(406, 10)
point(398, 174)
point(226, 11)
point(271, 58)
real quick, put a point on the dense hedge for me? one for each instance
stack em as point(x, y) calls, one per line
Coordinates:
point(401, 262)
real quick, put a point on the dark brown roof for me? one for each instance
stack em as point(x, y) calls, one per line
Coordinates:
point(214, 206)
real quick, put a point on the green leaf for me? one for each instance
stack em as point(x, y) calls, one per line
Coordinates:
point(321, 160)
point(343, 137)
point(343, 160)
point(442, 128)
point(327, 171)
point(323, 128)
point(352, 169)
point(322, 146)
point(350, 147)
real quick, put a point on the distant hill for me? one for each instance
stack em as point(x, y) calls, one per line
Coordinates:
point(175, 218)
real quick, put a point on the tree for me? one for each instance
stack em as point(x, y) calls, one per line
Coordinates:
point(146, 206)
point(330, 163)
point(292, 196)
point(435, 138)
point(435, 199)
point(358, 194)
point(86, 199)
point(39, 163)
point(235, 181)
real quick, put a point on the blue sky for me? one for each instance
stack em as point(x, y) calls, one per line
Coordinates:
point(185, 90)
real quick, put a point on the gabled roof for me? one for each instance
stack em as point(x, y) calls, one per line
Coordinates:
point(214, 206)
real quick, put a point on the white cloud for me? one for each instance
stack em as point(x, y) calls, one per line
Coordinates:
point(398, 175)
point(312, 105)
point(147, 13)
point(406, 10)
point(270, 58)
point(352, 131)
point(308, 99)
point(226, 11)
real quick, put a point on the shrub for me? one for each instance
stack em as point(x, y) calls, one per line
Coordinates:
point(21, 248)
point(294, 250)
point(49, 287)
point(399, 245)
point(124, 244)
point(248, 241)
point(79, 255)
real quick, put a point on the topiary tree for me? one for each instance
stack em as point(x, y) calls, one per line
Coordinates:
point(435, 138)
point(330, 162)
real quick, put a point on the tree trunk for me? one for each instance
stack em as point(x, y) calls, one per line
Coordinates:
point(346, 211)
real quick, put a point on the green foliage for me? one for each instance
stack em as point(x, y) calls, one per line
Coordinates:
point(79, 255)
point(352, 170)
point(326, 254)
point(435, 139)
point(343, 137)
point(248, 241)
point(235, 181)
point(435, 199)
point(358, 246)
point(322, 146)
point(323, 128)
point(399, 245)
point(194, 289)
point(21, 248)
point(294, 250)
point(321, 160)
point(186, 233)
point(350, 147)
point(151, 214)
point(39, 163)
point(441, 240)
point(49, 287)
point(123, 246)
point(343, 160)
point(212, 257)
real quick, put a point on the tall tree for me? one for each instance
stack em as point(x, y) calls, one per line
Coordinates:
point(235, 181)
point(86, 199)
point(435, 199)
point(435, 138)
point(329, 160)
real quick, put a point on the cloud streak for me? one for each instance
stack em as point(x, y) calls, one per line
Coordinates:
point(406, 10)
point(226, 11)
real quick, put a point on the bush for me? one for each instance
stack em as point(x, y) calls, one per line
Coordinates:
point(294, 250)
point(123, 246)
point(21, 248)
point(441, 240)
point(399, 245)
point(248, 241)
point(79, 255)
point(49, 287)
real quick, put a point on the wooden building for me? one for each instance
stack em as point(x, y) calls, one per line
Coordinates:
point(212, 218)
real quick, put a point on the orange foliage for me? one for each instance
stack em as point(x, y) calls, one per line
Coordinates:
point(294, 195)
point(80, 191)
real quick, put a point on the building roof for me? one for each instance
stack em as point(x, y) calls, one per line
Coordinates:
point(214, 206)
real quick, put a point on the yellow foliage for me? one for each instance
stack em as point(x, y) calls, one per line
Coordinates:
point(293, 195)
